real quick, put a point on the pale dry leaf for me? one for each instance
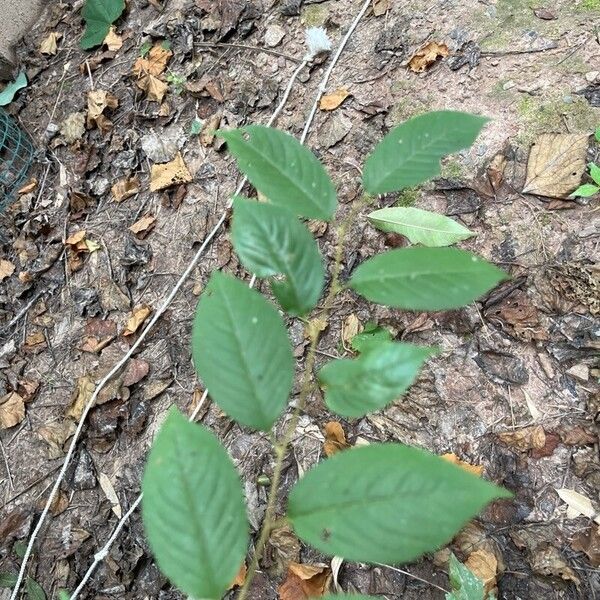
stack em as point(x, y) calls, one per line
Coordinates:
point(98, 102)
point(125, 188)
point(485, 566)
point(113, 41)
point(142, 227)
point(533, 409)
point(473, 469)
point(336, 565)
point(55, 435)
point(556, 164)
point(350, 328)
point(305, 581)
point(335, 438)
point(155, 63)
point(528, 438)
point(166, 175)
point(578, 504)
point(6, 268)
point(28, 187)
point(155, 88)
point(212, 124)
point(109, 492)
point(315, 326)
point(426, 56)
point(380, 7)
point(283, 549)
point(12, 410)
point(138, 316)
point(49, 44)
point(334, 99)
point(81, 396)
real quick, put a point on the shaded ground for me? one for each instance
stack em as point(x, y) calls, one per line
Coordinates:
point(516, 388)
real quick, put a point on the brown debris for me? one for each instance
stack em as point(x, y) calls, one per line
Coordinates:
point(426, 56)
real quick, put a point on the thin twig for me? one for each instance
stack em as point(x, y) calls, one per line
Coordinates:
point(247, 47)
point(9, 474)
point(413, 576)
point(101, 554)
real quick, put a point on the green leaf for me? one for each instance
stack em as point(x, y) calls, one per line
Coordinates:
point(420, 226)
point(242, 352)
point(385, 503)
point(410, 154)
point(597, 134)
point(286, 172)
point(8, 93)
point(34, 590)
point(465, 585)
point(425, 278)
point(585, 191)
point(99, 15)
point(193, 509)
point(380, 375)
point(270, 240)
point(196, 127)
point(63, 595)
point(7, 580)
point(371, 335)
point(595, 172)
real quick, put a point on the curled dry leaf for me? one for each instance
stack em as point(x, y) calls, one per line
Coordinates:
point(113, 41)
point(49, 43)
point(485, 566)
point(98, 102)
point(28, 187)
point(474, 469)
point(305, 581)
point(154, 87)
point(12, 410)
point(556, 164)
point(525, 439)
point(166, 175)
point(578, 505)
point(212, 124)
point(81, 396)
point(547, 560)
point(125, 188)
point(333, 100)
point(589, 543)
point(350, 328)
point(335, 438)
point(56, 435)
point(426, 56)
point(139, 315)
point(142, 227)
point(109, 492)
point(154, 63)
point(283, 548)
point(6, 269)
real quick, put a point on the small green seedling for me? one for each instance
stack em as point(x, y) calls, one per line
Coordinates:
point(590, 189)
point(382, 503)
point(99, 15)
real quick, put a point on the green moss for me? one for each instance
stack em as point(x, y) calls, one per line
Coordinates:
point(554, 115)
point(453, 168)
point(314, 15)
point(589, 5)
point(408, 197)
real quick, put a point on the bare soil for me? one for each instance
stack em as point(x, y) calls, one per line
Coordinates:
point(515, 388)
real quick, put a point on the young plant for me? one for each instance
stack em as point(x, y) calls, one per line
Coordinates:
point(382, 503)
point(99, 15)
point(590, 189)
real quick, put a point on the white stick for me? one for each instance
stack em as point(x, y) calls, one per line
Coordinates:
point(100, 555)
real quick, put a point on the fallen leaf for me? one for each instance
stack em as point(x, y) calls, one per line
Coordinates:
point(154, 63)
point(380, 7)
point(58, 506)
point(333, 100)
point(6, 269)
point(35, 342)
point(113, 41)
point(473, 469)
point(238, 580)
point(82, 394)
point(49, 43)
point(485, 566)
point(138, 316)
point(305, 581)
point(314, 327)
point(109, 492)
point(56, 435)
point(73, 127)
point(578, 505)
point(426, 56)
point(28, 187)
point(154, 87)
point(335, 438)
point(578, 435)
point(207, 135)
point(556, 164)
point(125, 188)
point(142, 227)
point(524, 439)
point(546, 14)
point(98, 102)
point(12, 410)
point(166, 175)
point(547, 560)
point(136, 371)
point(550, 445)
point(283, 548)
point(350, 328)
point(589, 543)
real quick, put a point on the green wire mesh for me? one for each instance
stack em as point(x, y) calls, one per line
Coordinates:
point(16, 157)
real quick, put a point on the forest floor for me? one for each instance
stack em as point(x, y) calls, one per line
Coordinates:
point(515, 389)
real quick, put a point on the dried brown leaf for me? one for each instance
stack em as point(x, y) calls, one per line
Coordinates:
point(524, 439)
point(109, 492)
point(155, 63)
point(125, 188)
point(556, 164)
point(350, 328)
point(589, 543)
point(113, 41)
point(49, 43)
point(333, 100)
point(139, 315)
point(154, 87)
point(98, 102)
point(283, 549)
point(485, 566)
point(305, 581)
point(56, 435)
point(426, 56)
point(335, 438)
point(6, 269)
point(81, 396)
point(143, 226)
point(136, 371)
point(12, 410)
point(380, 7)
point(165, 175)
point(473, 469)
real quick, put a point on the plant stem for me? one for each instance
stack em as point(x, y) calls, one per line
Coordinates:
point(281, 447)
